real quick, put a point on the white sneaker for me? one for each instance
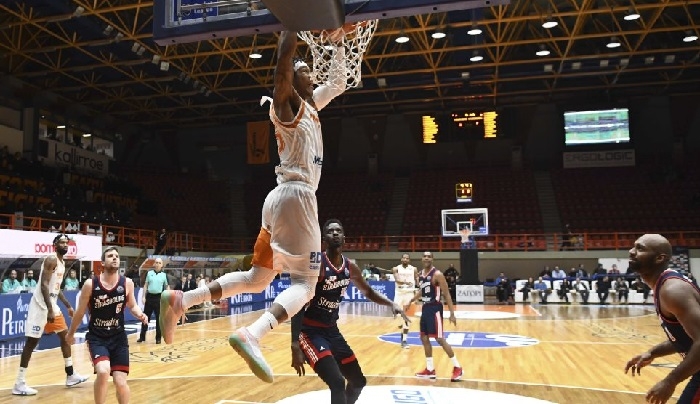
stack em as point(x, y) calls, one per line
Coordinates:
point(247, 346)
point(74, 379)
point(21, 389)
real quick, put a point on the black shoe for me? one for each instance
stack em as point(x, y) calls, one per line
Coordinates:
point(157, 341)
point(140, 340)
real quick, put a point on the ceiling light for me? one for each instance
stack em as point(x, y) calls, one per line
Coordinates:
point(118, 37)
point(78, 11)
point(614, 43)
point(61, 127)
point(208, 93)
point(624, 62)
point(402, 38)
point(135, 47)
point(543, 51)
point(690, 36)
point(255, 54)
point(108, 30)
point(87, 134)
point(141, 50)
point(649, 60)
point(164, 66)
point(466, 75)
point(549, 22)
point(381, 82)
point(631, 15)
point(156, 59)
point(669, 58)
point(576, 65)
point(475, 30)
point(604, 63)
point(476, 57)
point(548, 68)
point(438, 34)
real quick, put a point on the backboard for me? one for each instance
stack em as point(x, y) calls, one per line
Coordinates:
point(183, 21)
point(476, 219)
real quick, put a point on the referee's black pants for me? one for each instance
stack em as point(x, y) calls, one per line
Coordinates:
point(152, 306)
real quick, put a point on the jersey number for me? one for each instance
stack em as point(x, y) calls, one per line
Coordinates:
point(119, 307)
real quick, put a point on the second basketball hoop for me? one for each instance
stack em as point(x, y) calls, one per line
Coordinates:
point(353, 38)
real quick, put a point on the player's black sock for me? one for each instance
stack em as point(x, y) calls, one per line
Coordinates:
point(69, 370)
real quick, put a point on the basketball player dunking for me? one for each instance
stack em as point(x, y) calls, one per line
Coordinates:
point(406, 278)
point(290, 237)
point(316, 338)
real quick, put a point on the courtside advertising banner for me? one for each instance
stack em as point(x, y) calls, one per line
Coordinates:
point(18, 243)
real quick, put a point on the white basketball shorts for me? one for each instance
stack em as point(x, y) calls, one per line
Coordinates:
point(290, 214)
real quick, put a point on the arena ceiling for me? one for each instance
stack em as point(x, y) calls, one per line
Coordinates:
point(66, 48)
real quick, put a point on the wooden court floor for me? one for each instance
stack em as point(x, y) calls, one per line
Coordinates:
point(557, 353)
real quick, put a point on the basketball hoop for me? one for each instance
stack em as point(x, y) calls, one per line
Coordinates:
point(322, 46)
point(464, 233)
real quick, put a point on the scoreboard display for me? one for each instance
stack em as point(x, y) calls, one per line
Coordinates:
point(459, 126)
point(464, 191)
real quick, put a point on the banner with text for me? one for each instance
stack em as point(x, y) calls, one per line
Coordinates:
point(610, 158)
point(57, 154)
point(470, 293)
point(18, 243)
point(258, 142)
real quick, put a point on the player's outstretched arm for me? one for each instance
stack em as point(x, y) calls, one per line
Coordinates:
point(371, 294)
point(284, 75)
point(337, 82)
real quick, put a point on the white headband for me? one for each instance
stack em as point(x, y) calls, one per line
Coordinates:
point(299, 64)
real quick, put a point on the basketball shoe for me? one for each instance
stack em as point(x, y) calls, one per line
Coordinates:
point(21, 389)
point(75, 379)
point(426, 374)
point(456, 374)
point(247, 346)
point(171, 311)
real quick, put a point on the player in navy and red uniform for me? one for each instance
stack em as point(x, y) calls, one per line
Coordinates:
point(677, 302)
point(106, 296)
point(432, 284)
point(316, 338)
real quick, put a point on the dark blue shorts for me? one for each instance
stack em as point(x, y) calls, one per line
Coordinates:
point(114, 349)
point(431, 320)
point(318, 342)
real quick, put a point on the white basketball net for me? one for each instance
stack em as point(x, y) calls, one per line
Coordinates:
point(322, 49)
point(464, 233)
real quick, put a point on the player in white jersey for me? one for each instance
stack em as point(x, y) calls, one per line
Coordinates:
point(44, 316)
point(406, 278)
point(290, 238)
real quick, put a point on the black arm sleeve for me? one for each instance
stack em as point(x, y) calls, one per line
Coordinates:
point(296, 324)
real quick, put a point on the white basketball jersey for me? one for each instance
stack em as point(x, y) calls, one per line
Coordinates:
point(299, 145)
point(54, 285)
point(406, 274)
